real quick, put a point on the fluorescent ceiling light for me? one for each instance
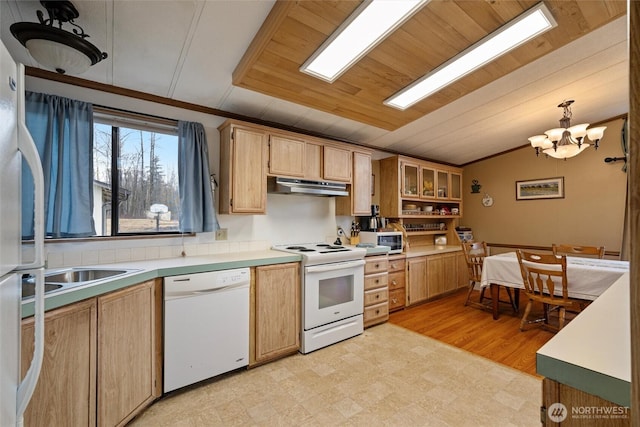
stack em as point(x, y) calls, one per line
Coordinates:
point(530, 24)
point(367, 26)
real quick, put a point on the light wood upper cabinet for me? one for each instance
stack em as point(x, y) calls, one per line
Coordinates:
point(358, 202)
point(410, 174)
point(287, 156)
point(243, 160)
point(313, 158)
point(126, 353)
point(337, 164)
point(66, 389)
point(276, 310)
point(455, 186)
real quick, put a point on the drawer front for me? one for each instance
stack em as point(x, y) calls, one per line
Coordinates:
point(376, 296)
point(376, 264)
point(376, 281)
point(396, 299)
point(396, 264)
point(376, 313)
point(396, 280)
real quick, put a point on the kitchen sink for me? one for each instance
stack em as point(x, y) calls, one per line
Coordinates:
point(68, 278)
point(82, 275)
point(29, 288)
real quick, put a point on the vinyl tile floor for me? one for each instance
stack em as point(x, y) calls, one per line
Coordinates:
point(388, 376)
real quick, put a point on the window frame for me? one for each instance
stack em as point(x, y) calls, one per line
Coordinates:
point(118, 119)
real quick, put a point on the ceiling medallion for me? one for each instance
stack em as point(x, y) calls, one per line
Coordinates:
point(63, 51)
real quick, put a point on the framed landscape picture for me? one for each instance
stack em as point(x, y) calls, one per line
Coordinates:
point(547, 188)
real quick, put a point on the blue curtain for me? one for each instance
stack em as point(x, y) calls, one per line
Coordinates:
point(197, 213)
point(62, 130)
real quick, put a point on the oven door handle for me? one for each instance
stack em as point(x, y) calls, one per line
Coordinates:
point(335, 266)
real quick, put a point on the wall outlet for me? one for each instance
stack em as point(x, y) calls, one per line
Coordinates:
point(221, 234)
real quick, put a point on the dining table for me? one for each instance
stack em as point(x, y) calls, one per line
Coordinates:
point(587, 278)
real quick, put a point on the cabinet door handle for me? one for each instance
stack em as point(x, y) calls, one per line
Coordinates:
point(393, 282)
point(393, 300)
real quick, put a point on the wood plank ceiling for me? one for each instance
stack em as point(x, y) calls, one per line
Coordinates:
point(443, 28)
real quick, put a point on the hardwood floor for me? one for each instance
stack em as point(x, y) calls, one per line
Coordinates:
point(473, 329)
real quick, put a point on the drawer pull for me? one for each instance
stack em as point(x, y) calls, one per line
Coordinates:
point(377, 265)
point(377, 280)
point(377, 296)
point(393, 282)
point(378, 311)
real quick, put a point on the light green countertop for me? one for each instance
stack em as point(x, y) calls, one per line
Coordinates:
point(593, 352)
point(147, 270)
point(431, 250)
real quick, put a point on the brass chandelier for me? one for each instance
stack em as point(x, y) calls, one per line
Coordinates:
point(566, 141)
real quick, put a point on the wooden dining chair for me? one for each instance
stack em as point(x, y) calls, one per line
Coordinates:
point(474, 254)
point(587, 251)
point(538, 274)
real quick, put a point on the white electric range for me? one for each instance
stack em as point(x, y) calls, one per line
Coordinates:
point(332, 278)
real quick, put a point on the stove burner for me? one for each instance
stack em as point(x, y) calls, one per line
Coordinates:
point(323, 245)
point(300, 249)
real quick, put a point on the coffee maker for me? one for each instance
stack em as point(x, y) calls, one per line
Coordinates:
point(373, 222)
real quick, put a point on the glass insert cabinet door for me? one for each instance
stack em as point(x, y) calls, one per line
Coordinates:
point(443, 185)
point(410, 180)
point(456, 186)
point(428, 183)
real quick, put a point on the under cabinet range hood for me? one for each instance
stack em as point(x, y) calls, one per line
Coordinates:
point(282, 185)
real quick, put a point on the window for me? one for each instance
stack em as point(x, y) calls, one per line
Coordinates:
point(138, 162)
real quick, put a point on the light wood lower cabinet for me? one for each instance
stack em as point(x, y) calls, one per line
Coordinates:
point(100, 359)
point(376, 290)
point(126, 349)
point(397, 290)
point(431, 276)
point(416, 280)
point(65, 393)
point(275, 307)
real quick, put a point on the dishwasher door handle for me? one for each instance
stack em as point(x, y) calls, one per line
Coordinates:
point(173, 294)
point(221, 288)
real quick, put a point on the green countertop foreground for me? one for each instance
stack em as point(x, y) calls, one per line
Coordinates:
point(593, 352)
point(151, 269)
point(147, 270)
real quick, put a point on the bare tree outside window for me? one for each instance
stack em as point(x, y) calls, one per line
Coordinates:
point(145, 182)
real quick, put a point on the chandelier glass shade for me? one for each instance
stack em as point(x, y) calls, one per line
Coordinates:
point(54, 48)
point(566, 141)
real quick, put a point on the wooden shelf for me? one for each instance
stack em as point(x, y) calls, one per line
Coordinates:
point(425, 232)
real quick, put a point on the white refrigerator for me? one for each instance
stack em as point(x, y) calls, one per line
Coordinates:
point(16, 144)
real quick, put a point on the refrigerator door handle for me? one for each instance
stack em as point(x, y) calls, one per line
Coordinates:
point(30, 153)
point(30, 380)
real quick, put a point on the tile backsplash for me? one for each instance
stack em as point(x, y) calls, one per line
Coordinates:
point(74, 254)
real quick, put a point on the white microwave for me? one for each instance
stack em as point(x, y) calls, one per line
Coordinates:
point(393, 239)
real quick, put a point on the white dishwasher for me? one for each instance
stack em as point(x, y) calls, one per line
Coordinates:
point(206, 325)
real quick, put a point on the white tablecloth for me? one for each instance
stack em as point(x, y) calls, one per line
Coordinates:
point(587, 278)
